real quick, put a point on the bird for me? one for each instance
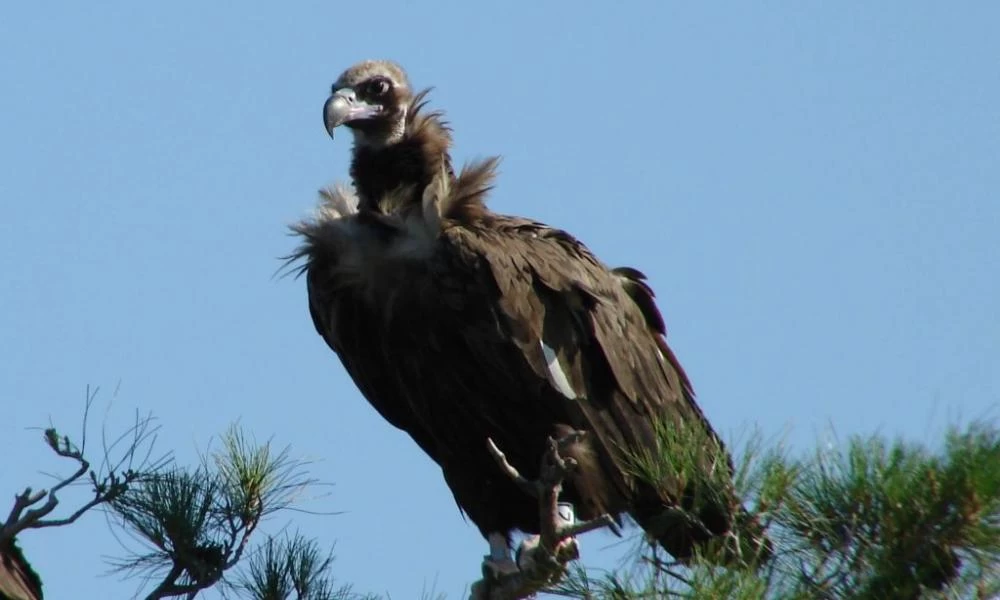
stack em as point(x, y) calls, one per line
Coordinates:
point(461, 325)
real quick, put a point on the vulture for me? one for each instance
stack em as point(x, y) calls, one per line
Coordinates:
point(459, 324)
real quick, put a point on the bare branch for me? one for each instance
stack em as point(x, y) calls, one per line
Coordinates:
point(18, 522)
point(168, 586)
point(529, 487)
point(107, 485)
point(601, 522)
point(544, 563)
point(73, 517)
point(21, 501)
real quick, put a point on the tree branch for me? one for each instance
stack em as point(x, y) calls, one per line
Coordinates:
point(202, 521)
point(19, 520)
point(544, 563)
point(168, 587)
point(107, 485)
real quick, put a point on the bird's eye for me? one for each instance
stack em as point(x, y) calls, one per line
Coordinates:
point(379, 86)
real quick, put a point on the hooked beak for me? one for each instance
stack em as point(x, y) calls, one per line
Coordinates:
point(343, 107)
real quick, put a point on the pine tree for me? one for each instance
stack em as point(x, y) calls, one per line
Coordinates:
point(872, 518)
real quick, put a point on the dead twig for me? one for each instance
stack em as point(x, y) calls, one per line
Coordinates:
point(544, 563)
point(106, 486)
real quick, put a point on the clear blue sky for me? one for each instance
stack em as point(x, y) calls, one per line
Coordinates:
point(811, 187)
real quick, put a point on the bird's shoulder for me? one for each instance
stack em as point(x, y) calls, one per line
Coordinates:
point(526, 249)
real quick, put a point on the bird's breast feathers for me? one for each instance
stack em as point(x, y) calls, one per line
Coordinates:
point(370, 249)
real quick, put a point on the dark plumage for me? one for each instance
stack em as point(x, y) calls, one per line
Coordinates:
point(459, 324)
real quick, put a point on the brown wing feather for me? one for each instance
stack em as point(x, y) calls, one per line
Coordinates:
point(552, 288)
point(601, 326)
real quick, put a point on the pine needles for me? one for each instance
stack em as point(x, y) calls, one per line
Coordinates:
point(869, 520)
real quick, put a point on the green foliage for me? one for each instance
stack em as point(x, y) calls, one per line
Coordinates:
point(294, 567)
point(686, 463)
point(683, 458)
point(195, 524)
point(895, 519)
point(868, 519)
point(873, 519)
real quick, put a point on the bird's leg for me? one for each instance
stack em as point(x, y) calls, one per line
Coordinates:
point(498, 562)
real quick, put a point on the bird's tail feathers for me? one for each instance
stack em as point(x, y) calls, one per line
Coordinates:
point(729, 537)
point(683, 495)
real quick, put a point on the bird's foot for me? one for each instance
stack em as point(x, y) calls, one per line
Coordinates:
point(496, 569)
point(531, 554)
point(498, 563)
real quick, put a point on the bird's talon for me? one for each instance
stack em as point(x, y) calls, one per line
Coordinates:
point(525, 556)
point(495, 569)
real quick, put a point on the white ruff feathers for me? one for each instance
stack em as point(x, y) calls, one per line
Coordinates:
point(338, 202)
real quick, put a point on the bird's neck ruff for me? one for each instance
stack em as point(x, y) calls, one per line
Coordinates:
point(402, 223)
point(403, 168)
point(405, 196)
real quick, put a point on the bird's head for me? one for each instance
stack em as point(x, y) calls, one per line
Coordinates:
point(371, 99)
